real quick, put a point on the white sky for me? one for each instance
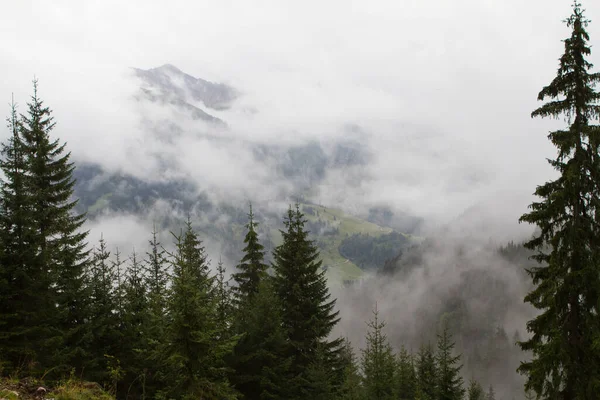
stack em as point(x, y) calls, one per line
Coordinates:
point(466, 71)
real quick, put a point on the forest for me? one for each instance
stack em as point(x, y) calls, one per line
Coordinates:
point(79, 320)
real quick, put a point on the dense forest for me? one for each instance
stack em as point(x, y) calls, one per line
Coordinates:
point(164, 322)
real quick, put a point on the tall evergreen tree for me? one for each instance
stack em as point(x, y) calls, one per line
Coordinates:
point(426, 374)
point(223, 296)
point(378, 362)
point(261, 365)
point(104, 320)
point(449, 381)
point(475, 391)
point(308, 314)
point(58, 245)
point(157, 280)
point(565, 362)
point(351, 387)
point(194, 352)
point(405, 377)
point(19, 281)
point(252, 269)
point(157, 277)
point(491, 394)
point(136, 324)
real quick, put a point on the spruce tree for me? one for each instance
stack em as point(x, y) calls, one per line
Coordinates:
point(426, 374)
point(377, 362)
point(252, 268)
point(351, 387)
point(20, 283)
point(405, 377)
point(136, 324)
point(224, 301)
point(194, 351)
point(157, 280)
point(308, 314)
point(565, 361)
point(57, 243)
point(475, 391)
point(491, 394)
point(260, 362)
point(104, 320)
point(449, 381)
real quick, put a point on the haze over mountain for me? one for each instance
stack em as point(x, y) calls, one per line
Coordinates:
point(402, 128)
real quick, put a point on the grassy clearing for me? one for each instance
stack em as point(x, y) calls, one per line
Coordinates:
point(339, 268)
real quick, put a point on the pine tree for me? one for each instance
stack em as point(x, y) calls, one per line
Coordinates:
point(378, 363)
point(57, 243)
point(252, 268)
point(307, 311)
point(194, 352)
point(223, 296)
point(104, 320)
point(491, 395)
point(475, 391)
point(351, 388)
point(426, 374)
point(157, 279)
point(136, 324)
point(406, 378)
point(449, 381)
point(260, 364)
point(565, 362)
point(320, 376)
point(20, 283)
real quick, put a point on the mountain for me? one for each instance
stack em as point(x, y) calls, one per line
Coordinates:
point(183, 107)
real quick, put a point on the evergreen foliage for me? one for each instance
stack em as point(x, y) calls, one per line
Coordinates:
point(406, 378)
point(261, 366)
point(252, 268)
point(378, 362)
point(449, 381)
point(426, 370)
point(194, 351)
point(475, 391)
point(351, 387)
point(566, 361)
point(307, 310)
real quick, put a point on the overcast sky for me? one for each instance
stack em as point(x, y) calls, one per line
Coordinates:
point(465, 73)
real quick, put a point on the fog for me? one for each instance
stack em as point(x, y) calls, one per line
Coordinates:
point(442, 93)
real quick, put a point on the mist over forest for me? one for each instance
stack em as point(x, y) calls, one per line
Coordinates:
point(276, 201)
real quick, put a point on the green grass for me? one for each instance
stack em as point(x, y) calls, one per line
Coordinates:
point(100, 203)
point(338, 267)
point(8, 394)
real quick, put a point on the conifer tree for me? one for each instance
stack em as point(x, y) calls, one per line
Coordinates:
point(475, 391)
point(136, 324)
point(320, 376)
point(20, 283)
point(426, 374)
point(308, 314)
point(351, 388)
point(449, 381)
point(491, 394)
point(57, 243)
point(565, 362)
point(223, 296)
point(377, 362)
point(157, 279)
point(406, 378)
point(104, 320)
point(194, 351)
point(259, 362)
point(252, 268)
